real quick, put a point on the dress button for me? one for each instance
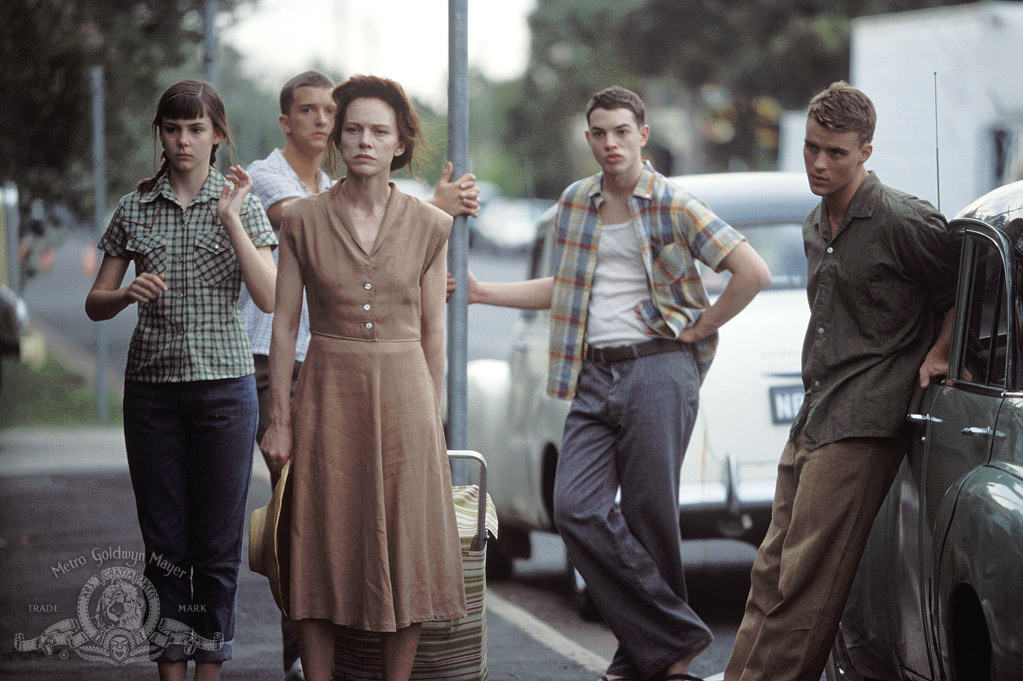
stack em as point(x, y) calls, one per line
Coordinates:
point(817, 384)
point(820, 329)
point(181, 295)
point(830, 249)
point(369, 325)
point(367, 286)
point(366, 306)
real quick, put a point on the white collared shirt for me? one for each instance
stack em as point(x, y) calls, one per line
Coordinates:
point(273, 180)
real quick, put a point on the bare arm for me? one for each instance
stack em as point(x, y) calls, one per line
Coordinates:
point(532, 294)
point(106, 298)
point(460, 197)
point(936, 362)
point(287, 312)
point(274, 212)
point(433, 316)
point(256, 263)
point(749, 276)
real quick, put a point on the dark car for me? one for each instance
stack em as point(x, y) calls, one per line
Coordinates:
point(939, 591)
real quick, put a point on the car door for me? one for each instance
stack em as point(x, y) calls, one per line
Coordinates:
point(960, 424)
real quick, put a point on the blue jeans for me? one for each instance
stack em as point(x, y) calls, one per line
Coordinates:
point(190, 456)
point(628, 427)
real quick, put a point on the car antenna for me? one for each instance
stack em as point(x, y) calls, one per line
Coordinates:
point(937, 159)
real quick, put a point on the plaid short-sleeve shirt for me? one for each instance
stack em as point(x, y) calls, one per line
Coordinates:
point(193, 331)
point(674, 229)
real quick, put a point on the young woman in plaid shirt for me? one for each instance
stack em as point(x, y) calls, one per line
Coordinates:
point(189, 398)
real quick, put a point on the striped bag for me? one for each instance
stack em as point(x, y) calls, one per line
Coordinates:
point(449, 650)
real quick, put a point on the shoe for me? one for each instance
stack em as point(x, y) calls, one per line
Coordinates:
point(682, 677)
point(294, 672)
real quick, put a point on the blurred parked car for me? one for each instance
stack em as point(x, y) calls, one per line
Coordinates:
point(507, 224)
point(938, 594)
point(487, 193)
point(747, 402)
point(13, 322)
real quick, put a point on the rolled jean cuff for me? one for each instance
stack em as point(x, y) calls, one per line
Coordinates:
point(177, 653)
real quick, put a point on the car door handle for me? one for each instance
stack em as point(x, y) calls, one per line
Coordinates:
point(977, 431)
point(922, 418)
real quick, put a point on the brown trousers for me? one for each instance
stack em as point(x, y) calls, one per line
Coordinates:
point(824, 506)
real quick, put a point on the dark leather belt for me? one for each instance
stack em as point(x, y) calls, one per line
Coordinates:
point(622, 352)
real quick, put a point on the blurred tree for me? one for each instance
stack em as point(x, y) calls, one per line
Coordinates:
point(489, 156)
point(735, 64)
point(47, 48)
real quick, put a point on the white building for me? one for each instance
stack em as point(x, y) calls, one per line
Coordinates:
point(976, 50)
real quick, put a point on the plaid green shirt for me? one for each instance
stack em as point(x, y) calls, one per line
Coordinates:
point(674, 229)
point(193, 331)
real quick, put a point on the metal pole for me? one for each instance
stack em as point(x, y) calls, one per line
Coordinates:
point(209, 41)
point(99, 180)
point(458, 248)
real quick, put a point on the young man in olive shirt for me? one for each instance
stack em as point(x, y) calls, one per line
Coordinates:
point(881, 283)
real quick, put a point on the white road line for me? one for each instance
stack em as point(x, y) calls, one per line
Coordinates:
point(551, 638)
point(544, 634)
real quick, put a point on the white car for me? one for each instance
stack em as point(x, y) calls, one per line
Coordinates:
point(747, 402)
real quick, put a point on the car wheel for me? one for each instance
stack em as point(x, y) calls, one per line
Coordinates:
point(579, 594)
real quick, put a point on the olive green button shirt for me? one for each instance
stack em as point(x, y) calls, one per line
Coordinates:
point(193, 331)
point(878, 291)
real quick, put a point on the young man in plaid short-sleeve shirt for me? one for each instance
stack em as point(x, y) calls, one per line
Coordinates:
point(632, 335)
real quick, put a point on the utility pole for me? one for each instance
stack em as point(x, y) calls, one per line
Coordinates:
point(209, 41)
point(99, 181)
point(458, 245)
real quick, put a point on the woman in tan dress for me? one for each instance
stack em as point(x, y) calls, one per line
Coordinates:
point(374, 543)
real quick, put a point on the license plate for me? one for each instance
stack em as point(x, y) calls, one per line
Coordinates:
point(785, 402)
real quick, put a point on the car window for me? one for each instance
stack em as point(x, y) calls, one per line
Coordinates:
point(781, 247)
point(541, 254)
point(983, 354)
point(536, 254)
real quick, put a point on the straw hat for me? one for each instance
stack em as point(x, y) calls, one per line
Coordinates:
point(269, 545)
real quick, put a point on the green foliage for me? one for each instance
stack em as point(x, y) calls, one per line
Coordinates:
point(48, 395)
point(730, 66)
point(48, 49)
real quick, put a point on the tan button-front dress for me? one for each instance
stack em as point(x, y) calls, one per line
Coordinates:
point(374, 543)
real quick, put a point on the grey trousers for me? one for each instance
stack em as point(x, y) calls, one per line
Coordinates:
point(628, 427)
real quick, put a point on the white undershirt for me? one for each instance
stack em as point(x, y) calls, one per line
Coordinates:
point(619, 286)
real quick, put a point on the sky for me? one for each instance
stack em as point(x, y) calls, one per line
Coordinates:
point(406, 40)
